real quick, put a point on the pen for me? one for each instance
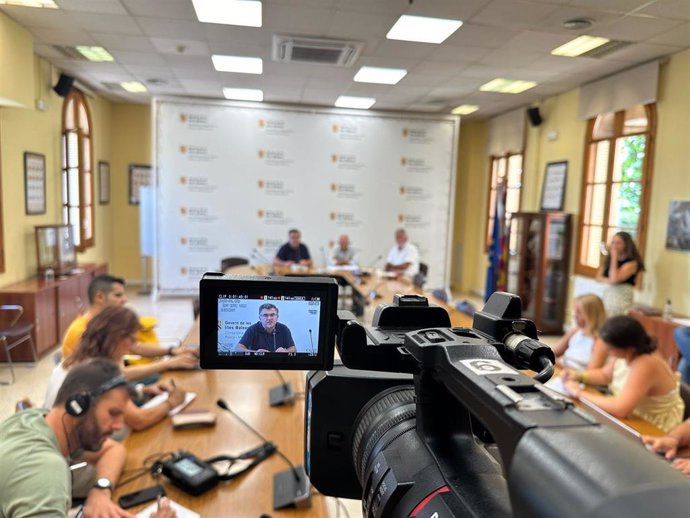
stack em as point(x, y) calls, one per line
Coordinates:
point(158, 502)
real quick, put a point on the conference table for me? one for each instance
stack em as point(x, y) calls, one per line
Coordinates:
point(246, 392)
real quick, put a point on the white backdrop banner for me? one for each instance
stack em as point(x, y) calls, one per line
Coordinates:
point(234, 179)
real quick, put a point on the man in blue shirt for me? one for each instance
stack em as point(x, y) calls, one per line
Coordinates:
point(293, 252)
point(267, 335)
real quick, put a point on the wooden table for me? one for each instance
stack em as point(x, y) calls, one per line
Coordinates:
point(246, 392)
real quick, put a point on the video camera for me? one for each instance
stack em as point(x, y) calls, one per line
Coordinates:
point(424, 420)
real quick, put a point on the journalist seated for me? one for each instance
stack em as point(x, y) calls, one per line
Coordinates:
point(267, 335)
point(641, 382)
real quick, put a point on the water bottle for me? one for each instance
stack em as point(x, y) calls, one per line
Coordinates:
point(667, 313)
point(49, 275)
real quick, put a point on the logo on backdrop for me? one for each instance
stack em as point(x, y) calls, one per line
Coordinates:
point(350, 132)
point(198, 244)
point(273, 217)
point(198, 214)
point(196, 121)
point(275, 127)
point(417, 135)
point(345, 219)
point(274, 187)
point(197, 153)
point(197, 184)
point(346, 191)
point(413, 221)
point(414, 193)
point(415, 164)
point(347, 162)
point(274, 157)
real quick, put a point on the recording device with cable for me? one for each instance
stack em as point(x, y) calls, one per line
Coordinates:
point(461, 431)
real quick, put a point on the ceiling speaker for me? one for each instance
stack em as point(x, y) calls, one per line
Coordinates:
point(64, 85)
point(534, 116)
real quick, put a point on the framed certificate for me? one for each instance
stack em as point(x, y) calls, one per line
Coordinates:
point(553, 190)
point(35, 183)
point(139, 176)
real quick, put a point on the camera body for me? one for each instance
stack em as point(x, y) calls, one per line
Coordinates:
point(426, 420)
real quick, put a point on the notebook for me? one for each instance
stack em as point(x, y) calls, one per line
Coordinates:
point(181, 512)
point(161, 398)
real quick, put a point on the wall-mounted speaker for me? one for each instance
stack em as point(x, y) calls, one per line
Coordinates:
point(64, 85)
point(534, 116)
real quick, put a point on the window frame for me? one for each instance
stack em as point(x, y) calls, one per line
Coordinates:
point(645, 183)
point(491, 207)
point(75, 99)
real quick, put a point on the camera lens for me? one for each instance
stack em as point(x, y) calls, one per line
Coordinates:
point(380, 422)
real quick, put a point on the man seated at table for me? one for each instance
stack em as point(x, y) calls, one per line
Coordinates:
point(293, 252)
point(107, 290)
point(267, 335)
point(37, 446)
point(403, 258)
point(342, 253)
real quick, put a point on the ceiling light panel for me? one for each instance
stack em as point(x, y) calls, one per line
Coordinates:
point(49, 4)
point(239, 64)
point(243, 94)
point(134, 87)
point(348, 101)
point(229, 12)
point(423, 29)
point(507, 86)
point(380, 75)
point(579, 46)
point(97, 54)
point(464, 109)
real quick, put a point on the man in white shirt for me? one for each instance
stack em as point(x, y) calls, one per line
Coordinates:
point(403, 258)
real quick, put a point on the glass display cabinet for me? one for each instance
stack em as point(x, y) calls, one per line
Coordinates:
point(538, 262)
point(55, 249)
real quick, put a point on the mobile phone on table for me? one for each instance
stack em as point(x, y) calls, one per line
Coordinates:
point(141, 496)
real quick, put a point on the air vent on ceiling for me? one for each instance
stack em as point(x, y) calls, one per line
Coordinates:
point(321, 51)
point(605, 49)
point(69, 52)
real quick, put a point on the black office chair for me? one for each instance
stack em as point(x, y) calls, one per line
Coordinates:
point(229, 262)
point(419, 278)
point(14, 335)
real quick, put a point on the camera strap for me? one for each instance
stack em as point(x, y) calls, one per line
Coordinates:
point(257, 456)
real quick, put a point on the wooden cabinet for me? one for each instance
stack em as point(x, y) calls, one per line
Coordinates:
point(538, 262)
point(50, 306)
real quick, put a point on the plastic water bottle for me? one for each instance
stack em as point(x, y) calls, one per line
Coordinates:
point(49, 275)
point(667, 313)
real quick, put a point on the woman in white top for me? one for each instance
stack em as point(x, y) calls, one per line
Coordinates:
point(580, 348)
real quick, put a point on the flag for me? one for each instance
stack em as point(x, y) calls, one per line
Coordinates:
point(496, 271)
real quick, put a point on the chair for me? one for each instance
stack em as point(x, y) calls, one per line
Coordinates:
point(685, 396)
point(419, 278)
point(14, 335)
point(196, 307)
point(229, 262)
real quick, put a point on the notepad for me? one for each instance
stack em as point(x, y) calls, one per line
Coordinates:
point(163, 397)
point(181, 511)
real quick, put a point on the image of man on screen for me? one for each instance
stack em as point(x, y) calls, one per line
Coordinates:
point(267, 335)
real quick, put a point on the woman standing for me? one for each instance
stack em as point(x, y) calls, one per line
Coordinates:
point(620, 271)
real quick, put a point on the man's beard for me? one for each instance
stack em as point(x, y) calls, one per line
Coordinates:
point(90, 435)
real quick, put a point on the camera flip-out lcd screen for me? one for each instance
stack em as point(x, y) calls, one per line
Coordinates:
point(267, 322)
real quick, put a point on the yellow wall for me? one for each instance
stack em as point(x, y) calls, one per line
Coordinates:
point(131, 144)
point(667, 271)
point(16, 64)
point(470, 207)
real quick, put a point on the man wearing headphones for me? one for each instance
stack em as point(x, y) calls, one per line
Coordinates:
point(37, 446)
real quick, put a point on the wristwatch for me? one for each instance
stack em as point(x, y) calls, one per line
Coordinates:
point(103, 483)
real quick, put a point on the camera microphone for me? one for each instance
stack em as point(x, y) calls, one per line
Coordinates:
point(282, 394)
point(290, 487)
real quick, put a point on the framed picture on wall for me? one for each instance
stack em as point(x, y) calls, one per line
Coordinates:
point(103, 182)
point(553, 190)
point(35, 183)
point(139, 175)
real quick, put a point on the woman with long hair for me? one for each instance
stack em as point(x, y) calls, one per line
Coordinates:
point(111, 334)
point(620, 270)
point(641, 382)
point(580, 347)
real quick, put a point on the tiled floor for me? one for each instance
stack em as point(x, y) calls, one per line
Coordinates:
point(174, 320)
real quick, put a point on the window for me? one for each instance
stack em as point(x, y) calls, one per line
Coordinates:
point(616, 179)
point(77, 170)
point(506, 169)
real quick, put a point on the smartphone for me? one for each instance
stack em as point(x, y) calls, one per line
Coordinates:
point(141, 496)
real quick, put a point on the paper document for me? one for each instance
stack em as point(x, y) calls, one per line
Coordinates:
point(181, 512)
point(161, 398)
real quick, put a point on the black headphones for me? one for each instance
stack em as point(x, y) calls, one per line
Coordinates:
point(79, 404)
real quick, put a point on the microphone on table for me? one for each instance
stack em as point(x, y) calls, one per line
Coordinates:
point(282, 394)
point(258, 255)
point(373, 263)
point(291, 488)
